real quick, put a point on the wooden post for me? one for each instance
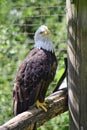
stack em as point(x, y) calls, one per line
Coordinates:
point(77, 63)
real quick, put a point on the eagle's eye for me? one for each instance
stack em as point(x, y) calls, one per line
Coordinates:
point(41, 32)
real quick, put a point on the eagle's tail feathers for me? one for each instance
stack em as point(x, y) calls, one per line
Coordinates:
point(20, 107)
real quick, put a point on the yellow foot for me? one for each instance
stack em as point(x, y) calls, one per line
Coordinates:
point(42, 105)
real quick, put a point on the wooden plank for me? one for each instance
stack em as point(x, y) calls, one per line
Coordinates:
point(82, 20)
point(57, 103)
point(77, 63)
point(73, 67)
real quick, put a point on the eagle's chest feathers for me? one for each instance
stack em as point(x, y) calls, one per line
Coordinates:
point(45, 63)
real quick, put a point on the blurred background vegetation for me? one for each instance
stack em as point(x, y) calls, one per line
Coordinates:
point(19, 19)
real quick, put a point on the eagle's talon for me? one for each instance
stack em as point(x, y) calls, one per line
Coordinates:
point(41, 105)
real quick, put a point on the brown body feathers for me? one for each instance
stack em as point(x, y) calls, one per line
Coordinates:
point(33, 78)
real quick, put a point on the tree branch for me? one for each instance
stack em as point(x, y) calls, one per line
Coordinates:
point(57, 103)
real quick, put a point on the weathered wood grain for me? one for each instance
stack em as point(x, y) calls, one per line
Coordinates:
point(57, 103)
point(77, 63)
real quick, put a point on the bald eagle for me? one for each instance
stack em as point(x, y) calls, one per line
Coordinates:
point(35, 73)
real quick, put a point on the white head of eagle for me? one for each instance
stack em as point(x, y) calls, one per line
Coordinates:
point(42, 38)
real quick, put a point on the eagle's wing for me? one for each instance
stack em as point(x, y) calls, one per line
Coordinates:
point(29, 80)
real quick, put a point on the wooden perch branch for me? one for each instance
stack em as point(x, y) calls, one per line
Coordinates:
point(56, 104)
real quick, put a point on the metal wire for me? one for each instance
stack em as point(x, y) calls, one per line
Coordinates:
point(36, 7)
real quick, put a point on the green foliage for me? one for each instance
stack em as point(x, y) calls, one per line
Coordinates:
point(57, 123)
point(18, 21)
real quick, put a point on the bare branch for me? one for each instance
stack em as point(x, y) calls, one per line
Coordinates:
point(56, 104)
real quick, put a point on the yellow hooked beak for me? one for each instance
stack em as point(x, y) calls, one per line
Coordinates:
point(46, 32)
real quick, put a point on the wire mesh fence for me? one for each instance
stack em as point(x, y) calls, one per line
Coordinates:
point(18, 23)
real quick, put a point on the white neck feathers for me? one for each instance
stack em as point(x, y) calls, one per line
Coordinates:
point(44, 44)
